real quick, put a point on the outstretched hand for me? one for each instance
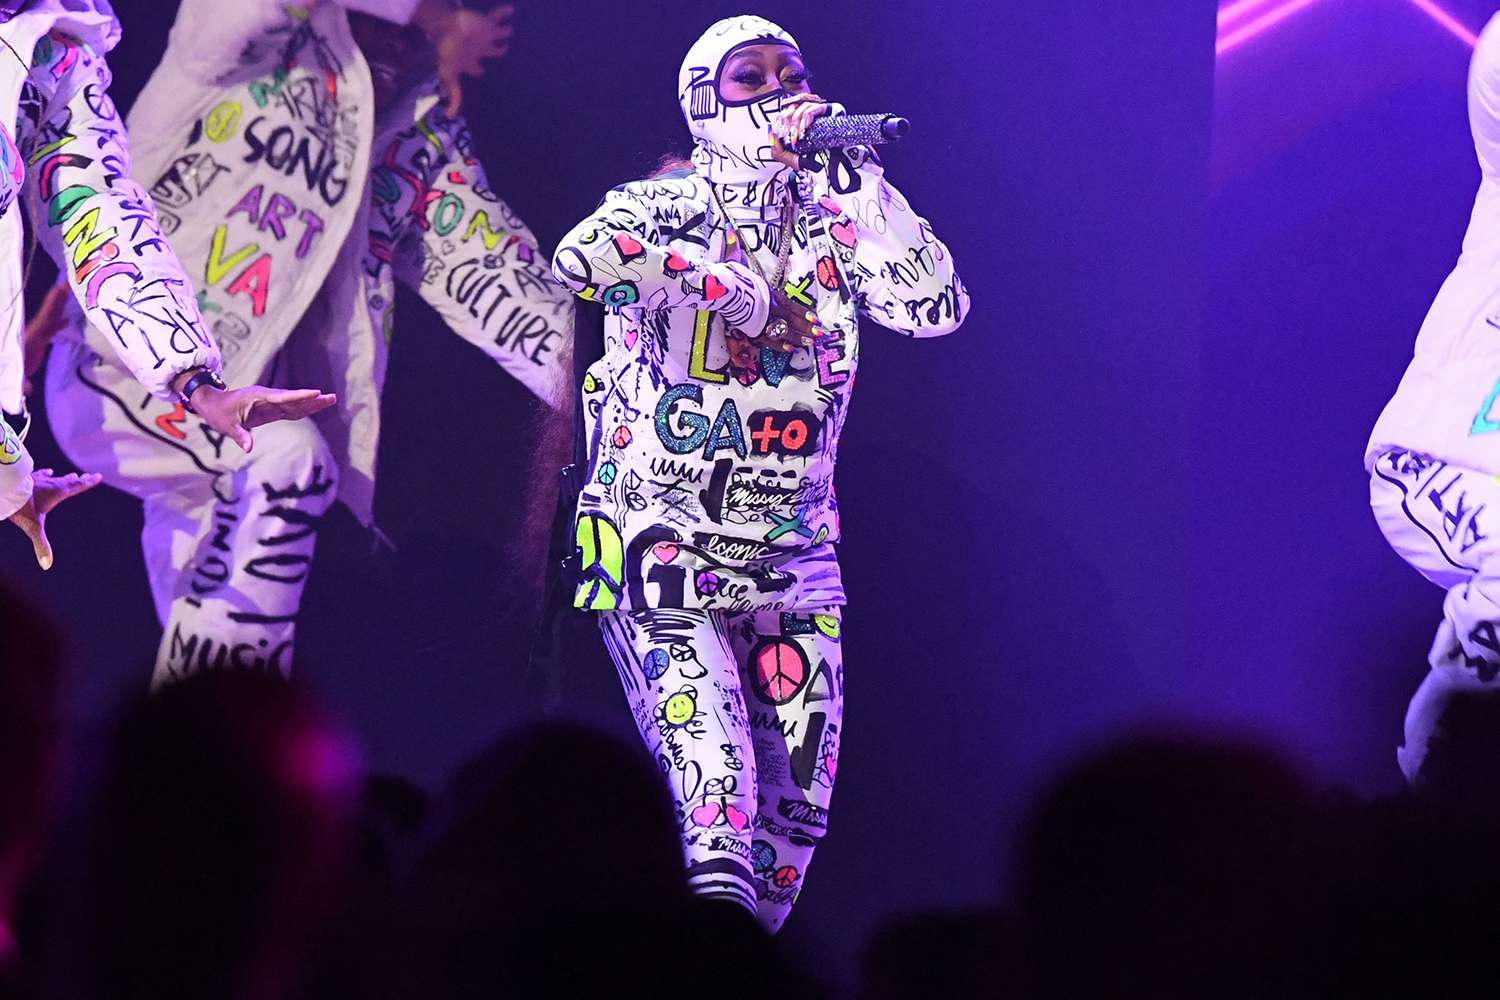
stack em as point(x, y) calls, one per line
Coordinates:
point(49, 490)
point(465, 40)
point(232, 412)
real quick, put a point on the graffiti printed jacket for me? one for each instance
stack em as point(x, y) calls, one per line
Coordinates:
point(1448, 402)
point(296, 206)
point(711, 458)
point(69, 163)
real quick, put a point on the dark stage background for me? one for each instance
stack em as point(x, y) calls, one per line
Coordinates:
point(1022, 501)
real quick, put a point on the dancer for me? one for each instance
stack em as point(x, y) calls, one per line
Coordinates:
point(1434, 455)
point(707, 522)
point(304, 159)
point(65, 167)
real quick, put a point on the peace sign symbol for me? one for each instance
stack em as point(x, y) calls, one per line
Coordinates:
point(779, 670)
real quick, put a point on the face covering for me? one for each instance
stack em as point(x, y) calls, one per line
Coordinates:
point(732, 146)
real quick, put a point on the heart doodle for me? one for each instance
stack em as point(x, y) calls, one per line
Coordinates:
point(630, 248)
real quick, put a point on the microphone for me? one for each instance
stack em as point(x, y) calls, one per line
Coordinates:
point(838, 131)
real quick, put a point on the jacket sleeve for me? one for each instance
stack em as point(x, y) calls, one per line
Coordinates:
point(1484, 98)
point(612, 257)
point(100, 226)
point(15, 472)
point(469, 256)
point(903, 274)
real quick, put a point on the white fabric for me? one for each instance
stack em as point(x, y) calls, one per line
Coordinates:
point(267, 146)
point(711, 458)
point(228, 537)
point(1448, 402)
point(15, 472)
point(731, 142)
point(395, 11)
point(1444, 520)
point(98, 225)
point(744, 714)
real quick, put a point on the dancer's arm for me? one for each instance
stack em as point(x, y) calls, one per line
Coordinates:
point(903, 273)
point(478, 264)
point(611, 257)
point(101, 228)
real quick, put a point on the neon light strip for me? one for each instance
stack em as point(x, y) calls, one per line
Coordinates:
point(1232, 12)
point(1259, 26)
point(1448, 21)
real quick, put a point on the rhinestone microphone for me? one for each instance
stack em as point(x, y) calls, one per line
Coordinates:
point(838, 131)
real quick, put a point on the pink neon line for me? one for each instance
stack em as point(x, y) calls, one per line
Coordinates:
point(1260, 25)
point(1447, 20)
point(1232, 12)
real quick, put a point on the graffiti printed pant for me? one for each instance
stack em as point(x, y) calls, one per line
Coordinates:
point(228, 537)
point(1445, 522)
point(742, 713)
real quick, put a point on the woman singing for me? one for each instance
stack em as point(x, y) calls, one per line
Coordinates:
point(707, 520)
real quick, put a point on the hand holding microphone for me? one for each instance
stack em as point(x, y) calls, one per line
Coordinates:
point(806, 125)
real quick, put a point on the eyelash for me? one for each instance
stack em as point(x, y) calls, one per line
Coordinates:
point(754, 78)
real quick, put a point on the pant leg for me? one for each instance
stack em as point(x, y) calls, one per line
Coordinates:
point(683, 687)
point(235, 601)
point(1439, 518)
point(792, 670)
point(228, 537)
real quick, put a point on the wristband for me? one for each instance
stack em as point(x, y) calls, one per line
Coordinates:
point(198, 381)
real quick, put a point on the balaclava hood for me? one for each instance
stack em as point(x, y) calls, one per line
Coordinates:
point(732, 144)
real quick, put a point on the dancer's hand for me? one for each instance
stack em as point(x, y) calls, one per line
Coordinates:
point(232, 412)
point(41, 327)
point(47, 491)
point(796, 116)
point(465, 40)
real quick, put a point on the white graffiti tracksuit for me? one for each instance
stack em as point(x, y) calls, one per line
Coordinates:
point(1434, 455)
point(707, 522)
point(69, 165)
point(296, 206)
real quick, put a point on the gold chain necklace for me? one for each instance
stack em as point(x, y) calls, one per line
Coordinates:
point(788, 220)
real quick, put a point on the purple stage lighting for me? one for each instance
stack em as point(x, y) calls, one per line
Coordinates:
point(1243, 20)
point(1447, 20)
